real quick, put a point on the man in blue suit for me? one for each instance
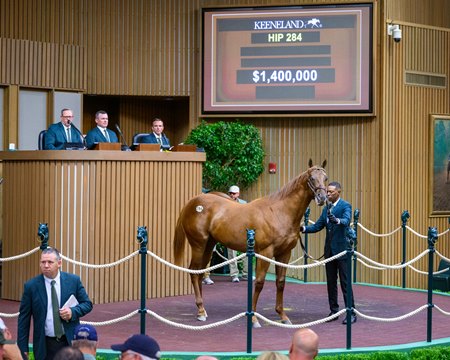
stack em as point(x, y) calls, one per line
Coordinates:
point(100, 133)
point(63, 132)
point(157, 136)
point(51, 333)
point(336, 219)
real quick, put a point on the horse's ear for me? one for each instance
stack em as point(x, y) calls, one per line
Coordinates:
point(324, 163)
point(310, 163)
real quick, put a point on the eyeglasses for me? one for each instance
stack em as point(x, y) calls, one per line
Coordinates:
point(68, 117)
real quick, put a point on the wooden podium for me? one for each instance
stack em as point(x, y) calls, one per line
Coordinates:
point(147, 147)
point(185, 148)
point(93, 202)
point(107, 146)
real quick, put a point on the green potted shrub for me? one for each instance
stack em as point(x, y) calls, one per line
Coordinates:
point(234, 154)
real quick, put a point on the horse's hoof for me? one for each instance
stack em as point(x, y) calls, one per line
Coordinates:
point(256, 325)
point(201, 318)
point(287, 322)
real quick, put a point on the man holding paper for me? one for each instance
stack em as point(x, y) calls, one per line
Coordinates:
point(56, 300)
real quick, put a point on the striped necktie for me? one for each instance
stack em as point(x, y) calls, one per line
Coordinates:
point(69, 137)
point(107, 135)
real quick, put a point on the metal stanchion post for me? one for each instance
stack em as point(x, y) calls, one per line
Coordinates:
point(305, 260)
point(355, 248)
point(43, 234)
point(351, 236)
point(249, 313)
point(432, 238)
point(405, 217)
point(142, 237)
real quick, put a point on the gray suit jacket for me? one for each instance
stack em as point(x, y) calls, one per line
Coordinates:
point(34, 304)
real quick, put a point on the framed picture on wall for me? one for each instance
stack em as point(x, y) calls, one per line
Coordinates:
point(440, 165)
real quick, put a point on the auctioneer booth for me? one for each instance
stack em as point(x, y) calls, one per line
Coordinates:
point(93, 202)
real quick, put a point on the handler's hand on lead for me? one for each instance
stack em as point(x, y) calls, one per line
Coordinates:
point(333, 219)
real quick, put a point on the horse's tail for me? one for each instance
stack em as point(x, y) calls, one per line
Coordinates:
point(179, 240)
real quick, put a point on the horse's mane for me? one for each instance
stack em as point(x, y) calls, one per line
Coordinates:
point(292, 185)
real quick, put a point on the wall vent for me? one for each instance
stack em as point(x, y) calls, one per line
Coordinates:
point(426, 79)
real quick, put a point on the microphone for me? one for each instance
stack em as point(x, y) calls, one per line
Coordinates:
point(79, 132)
point(329, 206)
point(125, 146)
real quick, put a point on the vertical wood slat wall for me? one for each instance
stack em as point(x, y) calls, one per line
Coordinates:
point(93, 208)
point(152, 48)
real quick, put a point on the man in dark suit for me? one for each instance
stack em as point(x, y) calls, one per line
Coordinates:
point(335, 218)
point(51, 333)
point(157, 136)
point(100, 133)
point(63, 132)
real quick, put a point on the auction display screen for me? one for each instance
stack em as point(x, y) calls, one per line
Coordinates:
point(287, 59)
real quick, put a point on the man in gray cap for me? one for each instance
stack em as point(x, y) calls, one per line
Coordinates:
point(234, 193)
point(85, 338)
point(139, 347)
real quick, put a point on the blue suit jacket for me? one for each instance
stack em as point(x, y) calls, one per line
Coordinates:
point(96, 136)
point(151, 139)
point(34, 304)
point(55, 138)
point(335, 240)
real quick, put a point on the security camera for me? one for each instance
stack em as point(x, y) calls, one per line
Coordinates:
point(397, 35)
point(395, 32)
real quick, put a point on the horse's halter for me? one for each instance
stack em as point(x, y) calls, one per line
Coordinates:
point(315, 189)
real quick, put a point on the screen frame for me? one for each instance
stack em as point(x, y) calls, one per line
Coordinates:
point(368, 26)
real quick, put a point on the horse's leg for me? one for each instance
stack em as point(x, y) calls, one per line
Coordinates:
point(280, 283)
point(199, 261)
point(261, 271)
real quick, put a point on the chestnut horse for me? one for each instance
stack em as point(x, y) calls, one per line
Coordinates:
point(211, 218)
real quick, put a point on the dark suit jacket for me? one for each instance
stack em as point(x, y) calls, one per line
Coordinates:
point(34, 304)
point(55, 138)
point(335, 240)
point(151, 139)
point(96, 136)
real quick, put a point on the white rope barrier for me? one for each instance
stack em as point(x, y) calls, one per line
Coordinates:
point(126, 258)
point(196, 328)
point(190, 271)
point(11, 258)
point(398, 318)
point(393, 266)
point(364, 260)
point(416, 233)
point(307, 266)
point(378, 235)
point(442, 256)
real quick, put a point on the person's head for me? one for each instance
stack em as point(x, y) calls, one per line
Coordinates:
point(139, 347)
point(333, 191)
point(4, 341)
point(233, 191)
point(157, 126)
point(69, 353)
point(66, 116)
point(271, 355)
point(305, 345)
point(101, 119)
point(50, 262)
point(85, 338)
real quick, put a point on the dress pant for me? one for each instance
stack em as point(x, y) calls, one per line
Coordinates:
point(333, 268)
point(54, 345)
point(234, 270)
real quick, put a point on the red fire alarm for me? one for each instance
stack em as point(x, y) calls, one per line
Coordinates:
point(272, 168)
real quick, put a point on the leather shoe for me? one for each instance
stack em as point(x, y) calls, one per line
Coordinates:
point(334, 319)
point(352, 319)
